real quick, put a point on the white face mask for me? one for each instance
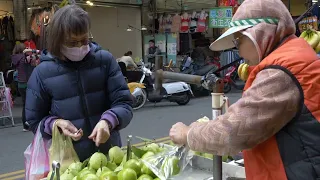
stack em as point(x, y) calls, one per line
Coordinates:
point(75, 53)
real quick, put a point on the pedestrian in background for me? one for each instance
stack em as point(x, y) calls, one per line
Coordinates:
point(18, 61)
point(78, 87)
point(153, 51)
point(127, 59)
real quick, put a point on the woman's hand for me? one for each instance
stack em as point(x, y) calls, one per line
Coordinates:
point(178, 133)
point(100, 133)
point(68, 129)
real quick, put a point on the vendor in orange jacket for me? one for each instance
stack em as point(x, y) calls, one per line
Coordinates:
point(276, 122)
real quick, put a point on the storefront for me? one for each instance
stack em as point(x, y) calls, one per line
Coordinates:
point(6, 6)
point(196, 22)
point(6, 20)
point(109, 28)
point(180, 28)
point(7, 38)
point(296, 7)
point(109, 23)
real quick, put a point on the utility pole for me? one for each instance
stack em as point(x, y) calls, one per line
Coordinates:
point(142, 32)
point(154, 9)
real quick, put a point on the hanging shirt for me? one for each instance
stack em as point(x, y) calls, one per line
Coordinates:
point(161, 25)
point(168, 24)
point(176, 23)
point(193, 24)
point(201, 24)
point(184, 25)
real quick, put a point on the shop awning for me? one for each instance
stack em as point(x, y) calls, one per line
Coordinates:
point(188, 5)
point(113, 3)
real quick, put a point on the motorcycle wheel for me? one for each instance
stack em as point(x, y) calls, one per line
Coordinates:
point(185, 100)
point(227, 87)
point(140, 101)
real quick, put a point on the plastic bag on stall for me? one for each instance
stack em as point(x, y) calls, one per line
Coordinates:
point(62, 150)
point(37, 157)
point(169, 163)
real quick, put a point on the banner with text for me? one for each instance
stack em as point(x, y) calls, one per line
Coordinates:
point(307, 22)
point(220, 17)
point(172, 47)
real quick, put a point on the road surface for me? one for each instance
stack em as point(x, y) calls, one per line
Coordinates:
point(152, 121)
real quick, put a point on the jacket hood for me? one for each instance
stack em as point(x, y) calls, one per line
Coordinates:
point(47, 56)
point(16, 58)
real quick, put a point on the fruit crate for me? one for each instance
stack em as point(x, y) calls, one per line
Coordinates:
point(201, 168)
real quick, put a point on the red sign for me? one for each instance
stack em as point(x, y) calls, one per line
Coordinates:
point(234, 3)
point(228, 2)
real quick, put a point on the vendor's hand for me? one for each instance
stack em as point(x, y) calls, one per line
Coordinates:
point(178, 133)
point(100, 133)
point(68, 129)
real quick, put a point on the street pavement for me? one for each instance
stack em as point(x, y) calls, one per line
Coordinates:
point(152, 121)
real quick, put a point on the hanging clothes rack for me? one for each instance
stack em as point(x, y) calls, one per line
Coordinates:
point(6, 13)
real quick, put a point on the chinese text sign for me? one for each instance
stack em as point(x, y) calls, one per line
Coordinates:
point(220, 17)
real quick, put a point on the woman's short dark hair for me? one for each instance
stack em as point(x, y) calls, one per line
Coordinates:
point(67, 21)
point(151, 41)
point(18, 48)
point(129, 53)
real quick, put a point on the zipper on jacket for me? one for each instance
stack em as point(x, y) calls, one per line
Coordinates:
point(83, 103)
point(85, 109)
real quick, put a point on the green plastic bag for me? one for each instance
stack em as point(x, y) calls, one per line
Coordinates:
point(62, 150)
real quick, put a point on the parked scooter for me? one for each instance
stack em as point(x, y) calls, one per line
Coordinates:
point(231, 76)
point(178, 92)
point(230, 79)
point(195, 68)
point(137, 90)
point(139, 93)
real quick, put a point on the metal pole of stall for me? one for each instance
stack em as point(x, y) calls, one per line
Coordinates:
point(218, 101)
point(142, 34)
point(158, 81)
point(216, 111)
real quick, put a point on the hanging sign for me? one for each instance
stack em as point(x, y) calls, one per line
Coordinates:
point(308, 21)
point(220, 17)
point(161, 44)
point(228, 2)
point(234, 3)
point(172, 49)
